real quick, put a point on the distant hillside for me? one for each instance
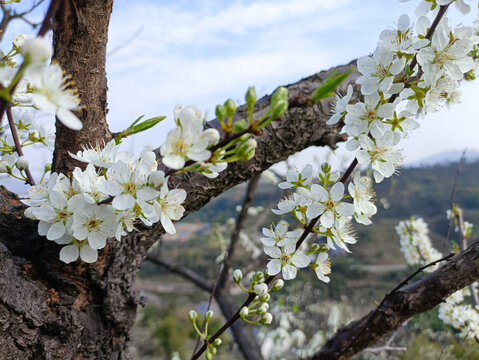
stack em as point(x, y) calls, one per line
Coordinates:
point(447, 157)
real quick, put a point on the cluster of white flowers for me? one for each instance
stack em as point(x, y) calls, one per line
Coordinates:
point(257, 311)
point(376, 125)
point(189, 141)
point(463, 317)
point(415, 243)
point(323, 202)
point(77, 212)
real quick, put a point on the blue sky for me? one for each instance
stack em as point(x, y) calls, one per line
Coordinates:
point(164, 53)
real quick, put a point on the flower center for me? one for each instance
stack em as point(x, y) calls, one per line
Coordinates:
point(63, 215)
point(93, 224)
point(329, 205)
point(285, 259)
point(180, 147)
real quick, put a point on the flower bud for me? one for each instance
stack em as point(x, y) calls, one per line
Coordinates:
point(192, 315)
point(261, 289)
point(240, 126)
point(48, 167)
point(258, 277)
point(266, 319)
point(265, 298)
point(19, 40)
point(263, 308)
point(208, 356)
point(213, 351)
point(212, 135)
point(277, 285)
point(237, 275)
point(220, 112)
point(279, 109)
point(280, 94)
point(209, 315)
point(218, 342)
point(251, 98)
point(37, 50)
point(22, 163)
point(230, 107)
point(244, 312)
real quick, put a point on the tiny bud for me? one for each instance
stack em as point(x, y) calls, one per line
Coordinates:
point(209, 315)
point(261, 289)
point(192, 315)
point(314, 248)
point(277, 285)
point(250, 98)
point(240, 126)
point(325, 168)
point(22, 163)
point(263, 308)
point(280, 94)
point(230, 107)
point(267, 319)
point(218, 342)
point(19, 40)
point(213, 351)
point(244, 312)
point(38, 50)
point(265, 298)
point(279, 109)
point(220, 112)
point(48, 167)
point(212, 135)
point(258, 277)
point(237, 275)
point(208, 356)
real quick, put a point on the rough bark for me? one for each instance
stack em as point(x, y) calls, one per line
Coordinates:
point(79, 42)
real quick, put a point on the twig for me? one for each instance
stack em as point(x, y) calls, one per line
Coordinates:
point(18, 146)
point(243, 214)
point(387, 345)
point(126, 43)
point(212, 295)
point(48, 20)
point(182, 271)
point(453, 194)
point(46, 25)
point(422, 268)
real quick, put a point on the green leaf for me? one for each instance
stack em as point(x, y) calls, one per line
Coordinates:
point(329, 85)
point(137, 127)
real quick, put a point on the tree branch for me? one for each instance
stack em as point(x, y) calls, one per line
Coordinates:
point(403, 303)
point(183, 271)
point(243, 214)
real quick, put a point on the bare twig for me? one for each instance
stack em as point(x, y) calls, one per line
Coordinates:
point(126, 43)
point(182, 271)
point(453, 194)
point(387, 345)
point(212, 295)
point(18, 146)
point(243, 214)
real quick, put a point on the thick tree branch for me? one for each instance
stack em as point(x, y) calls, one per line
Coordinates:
point(402, 304)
